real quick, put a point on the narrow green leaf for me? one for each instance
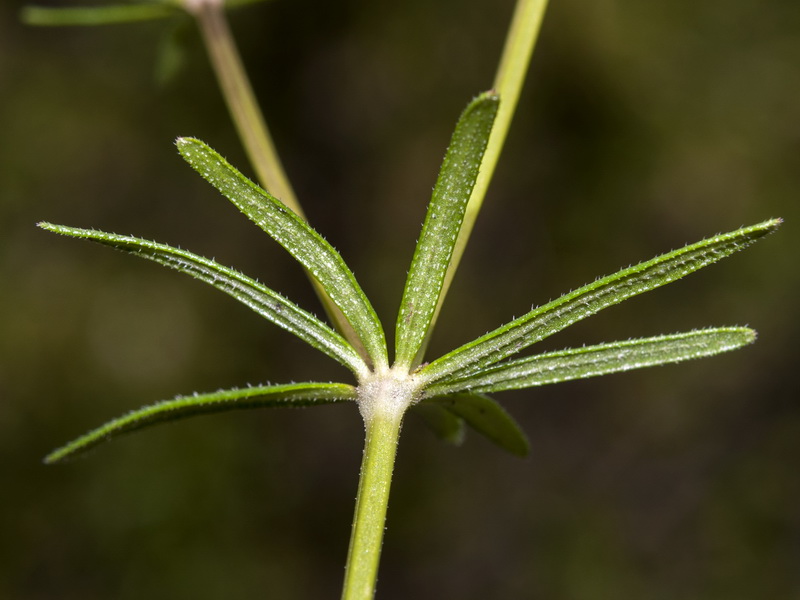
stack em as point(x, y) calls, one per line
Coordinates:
point(95, 15)
point(261, 299)
point(297, 237)
point(590, 361)
point(444, 424)
point(297, 394)
point(588, 300)
point(442, 224)
point(486, 417)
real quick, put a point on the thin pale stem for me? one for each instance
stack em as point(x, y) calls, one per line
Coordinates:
point(370, 514)
point(511, 72)
point(242, 104)
point(522, 35)
point(253, 131)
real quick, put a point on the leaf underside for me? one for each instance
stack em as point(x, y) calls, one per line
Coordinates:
point(442, 224)
point(261, 299)
point(444, 424)
point(299, 394)
point(297, 237)
point(486, 417)
point(588, 300)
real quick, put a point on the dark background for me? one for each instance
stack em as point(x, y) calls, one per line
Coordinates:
point(643, 126)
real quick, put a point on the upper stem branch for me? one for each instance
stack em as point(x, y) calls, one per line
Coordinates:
point(242, 104)
point(510, 77)
point(511, 72)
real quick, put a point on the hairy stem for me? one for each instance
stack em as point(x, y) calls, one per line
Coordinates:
point(369, 521)
point(383, 398)
point(253, 132)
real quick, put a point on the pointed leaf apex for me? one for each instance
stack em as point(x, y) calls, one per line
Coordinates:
point(47, 226)
point(769, 225)
point(185, 144)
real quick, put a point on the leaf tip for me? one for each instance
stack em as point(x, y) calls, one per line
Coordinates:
point(28, 15)
point(56, 456)
point(772, 224)
point(39, 16)
point(189, 142)
point(60, 229)
point(183, 143)
point(194, 151)
point(520, 447)
point(748, 335)
point(52, 227)
point(489, 100)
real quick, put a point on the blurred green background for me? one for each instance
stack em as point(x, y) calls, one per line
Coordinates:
point(643, 126)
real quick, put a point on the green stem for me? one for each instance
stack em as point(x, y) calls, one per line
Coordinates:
point(242, 102)
point(370, 514)
point(383, 428)
point(511, 72)
point(510, 77)
point(253, 132)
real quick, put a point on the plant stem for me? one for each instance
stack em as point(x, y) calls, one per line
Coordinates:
point(242, 103)
point(253, 132)
point(377, 464)
point(522, 35)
